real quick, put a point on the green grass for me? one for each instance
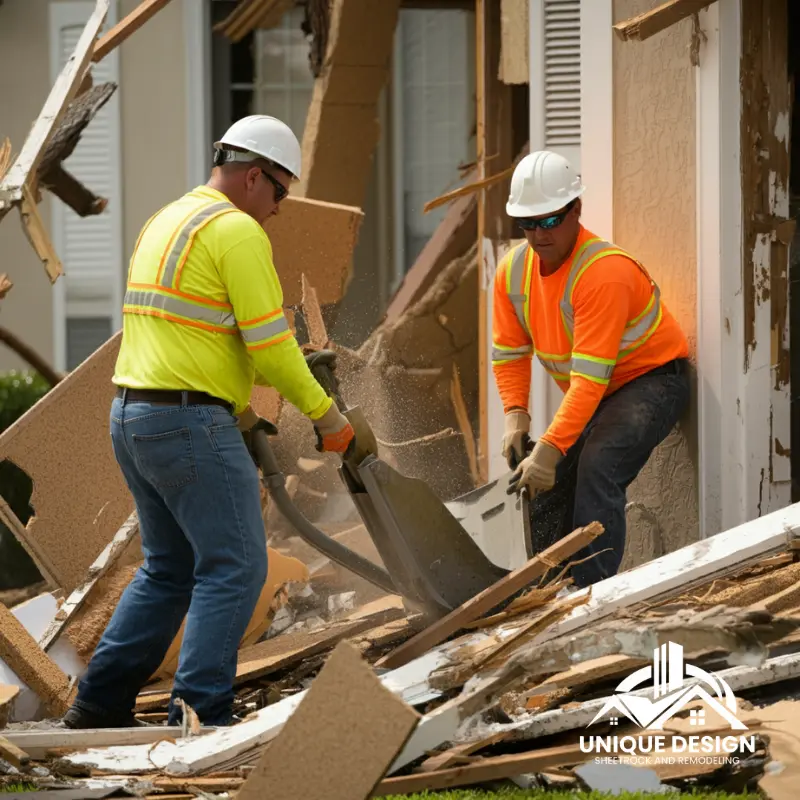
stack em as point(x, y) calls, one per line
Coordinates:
point(540, 794)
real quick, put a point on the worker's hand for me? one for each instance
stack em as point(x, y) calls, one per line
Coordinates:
point(516, 439)
point(335, 434)
point(249, 422)
point(537, 472)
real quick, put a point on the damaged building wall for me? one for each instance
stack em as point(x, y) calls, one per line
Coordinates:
point(654, 219)
point(154, 69)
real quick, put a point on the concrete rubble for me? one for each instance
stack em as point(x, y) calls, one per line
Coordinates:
point(515, 686)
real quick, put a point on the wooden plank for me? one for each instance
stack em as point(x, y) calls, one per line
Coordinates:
point(12, 522)
point(62, 92)
point(489, 769)
point(312, 313)
point(7, 697)
point(352, 724)
point(111, 553)
point(32, 665)
point(145, 11)
point(464, 424)
point(36, 743)
point(452, 238)
point(15, 756)
point(495, 594)
point(37, 234)
point(451, 756)
point(659, 19)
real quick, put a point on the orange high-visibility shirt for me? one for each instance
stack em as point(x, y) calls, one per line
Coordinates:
point(608, 295)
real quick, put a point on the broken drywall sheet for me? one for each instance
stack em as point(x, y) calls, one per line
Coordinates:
point(80, 499)
point(317, 239)
point(346, 698)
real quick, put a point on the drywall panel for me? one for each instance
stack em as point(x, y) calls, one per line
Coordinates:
point(79, 496)
point(654, 219)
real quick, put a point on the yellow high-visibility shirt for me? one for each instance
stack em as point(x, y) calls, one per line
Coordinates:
point(203, 309)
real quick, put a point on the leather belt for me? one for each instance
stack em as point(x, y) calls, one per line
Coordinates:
point(173, 397)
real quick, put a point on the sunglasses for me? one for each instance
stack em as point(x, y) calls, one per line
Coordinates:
point(280, 190)
point(545, 223)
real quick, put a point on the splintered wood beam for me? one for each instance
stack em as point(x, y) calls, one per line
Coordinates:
point(127, 27)
point(659, 19)
point(34, 228)
point(63, 91)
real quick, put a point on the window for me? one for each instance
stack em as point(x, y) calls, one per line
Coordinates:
point(84, 336)
point(268, 72)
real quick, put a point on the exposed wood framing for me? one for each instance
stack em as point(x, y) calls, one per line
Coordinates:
point(111, 553)
point(481, 14)
point(342, 128)
point(514, 42)
point(658, 19)
point(37, 234)
point(252, 14)
point(63, 91)
point(767, 232)
point(127, 27)
point(483, 602)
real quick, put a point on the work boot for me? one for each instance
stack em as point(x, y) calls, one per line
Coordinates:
point(79, 719)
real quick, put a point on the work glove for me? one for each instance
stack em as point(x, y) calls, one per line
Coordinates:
point(537, 472)
point(516, 440)
point(334, 432)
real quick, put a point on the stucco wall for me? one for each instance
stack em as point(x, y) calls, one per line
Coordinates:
point(654, 218)
point(153, 129)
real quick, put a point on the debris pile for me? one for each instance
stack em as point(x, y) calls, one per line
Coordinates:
point(655, 663)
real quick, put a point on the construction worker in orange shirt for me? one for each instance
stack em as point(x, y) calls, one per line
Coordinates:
point(203, 320)
point(594, 318)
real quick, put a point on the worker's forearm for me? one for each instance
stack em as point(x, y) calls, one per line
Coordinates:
point(513, 381)
point(573, 415)
point(284, 366)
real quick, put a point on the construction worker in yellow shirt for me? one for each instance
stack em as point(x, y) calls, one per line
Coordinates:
point(202, 320)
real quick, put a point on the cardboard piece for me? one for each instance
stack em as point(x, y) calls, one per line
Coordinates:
point(353, 726)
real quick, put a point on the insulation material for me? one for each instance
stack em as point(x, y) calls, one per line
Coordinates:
point(345, 698)
point(514, 41)
point(655, 169)
point(79, 496)
point(342, 128)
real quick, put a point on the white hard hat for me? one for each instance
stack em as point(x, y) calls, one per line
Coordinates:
point(266, 137)
point(543, 183)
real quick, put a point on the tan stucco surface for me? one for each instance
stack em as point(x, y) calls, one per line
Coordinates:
point(654, 218)
point(152, 95)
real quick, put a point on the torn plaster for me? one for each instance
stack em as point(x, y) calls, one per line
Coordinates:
point(654, 219)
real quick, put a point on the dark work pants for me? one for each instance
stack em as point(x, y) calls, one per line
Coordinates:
point(592, 478)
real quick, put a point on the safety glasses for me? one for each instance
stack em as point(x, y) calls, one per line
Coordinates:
point(545, 223)
point(280, 190)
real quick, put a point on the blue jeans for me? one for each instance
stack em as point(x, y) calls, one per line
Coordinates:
point(197, 495)
point(593, 477)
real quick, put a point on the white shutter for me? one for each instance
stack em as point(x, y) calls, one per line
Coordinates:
point(556, 77)
point(90, 247)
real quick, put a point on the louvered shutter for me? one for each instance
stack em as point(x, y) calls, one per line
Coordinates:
point(556, 97)
point(89, 296)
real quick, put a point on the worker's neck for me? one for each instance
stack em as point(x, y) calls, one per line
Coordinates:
point(549, 267)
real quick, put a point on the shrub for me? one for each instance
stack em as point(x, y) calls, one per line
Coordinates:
point(18, 392)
